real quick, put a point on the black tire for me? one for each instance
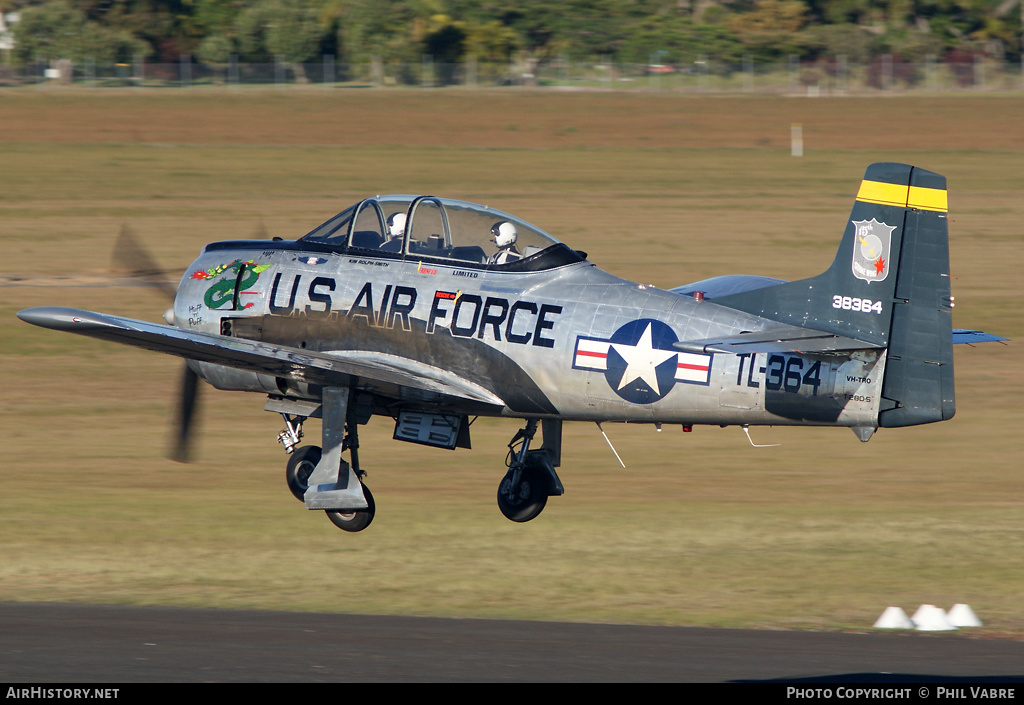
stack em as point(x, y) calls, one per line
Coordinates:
point(526, 501)
point(357, 519)
point(300, 466)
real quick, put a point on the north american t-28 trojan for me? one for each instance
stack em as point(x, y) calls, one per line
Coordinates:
point(433, 311)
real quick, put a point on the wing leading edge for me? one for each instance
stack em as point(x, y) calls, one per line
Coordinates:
point(384, 374)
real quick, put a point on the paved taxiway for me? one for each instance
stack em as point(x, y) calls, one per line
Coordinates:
point(48, 643)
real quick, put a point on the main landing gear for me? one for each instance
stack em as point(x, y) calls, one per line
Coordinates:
point(319, 477)
point(531, 476)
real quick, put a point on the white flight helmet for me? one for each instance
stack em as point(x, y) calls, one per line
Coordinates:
point(396, 225)
point(505, 234)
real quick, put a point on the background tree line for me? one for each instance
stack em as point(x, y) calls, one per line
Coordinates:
point(404, 31)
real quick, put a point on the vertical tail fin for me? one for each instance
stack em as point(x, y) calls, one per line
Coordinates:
point(888, 285)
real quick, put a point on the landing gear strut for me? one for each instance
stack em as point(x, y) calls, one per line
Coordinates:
point(353, 520)
point(531, 478)
point(320, 478)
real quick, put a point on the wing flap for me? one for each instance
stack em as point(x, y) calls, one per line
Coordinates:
point(388, 374)
point(779, 339)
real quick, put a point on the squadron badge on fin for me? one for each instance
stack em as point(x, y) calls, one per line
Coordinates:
point(871, 250)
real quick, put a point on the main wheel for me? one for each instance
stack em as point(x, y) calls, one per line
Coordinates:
point(525, 501)
point(300, 466)
point(356, 519)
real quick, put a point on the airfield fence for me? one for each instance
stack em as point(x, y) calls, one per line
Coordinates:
point(831, 76)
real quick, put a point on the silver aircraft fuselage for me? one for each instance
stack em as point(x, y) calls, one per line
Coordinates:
point(572, 342)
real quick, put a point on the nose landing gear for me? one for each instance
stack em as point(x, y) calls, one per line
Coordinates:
point(301, 464)
point(319, 477)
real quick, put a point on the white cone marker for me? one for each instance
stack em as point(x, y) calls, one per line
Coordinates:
point(894, 618)
point(961, 615)
point(930, 618)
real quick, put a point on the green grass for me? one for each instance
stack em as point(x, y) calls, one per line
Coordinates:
point(822, 532)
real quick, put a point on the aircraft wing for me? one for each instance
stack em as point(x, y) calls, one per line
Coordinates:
point(779, 339)
point(385, 374)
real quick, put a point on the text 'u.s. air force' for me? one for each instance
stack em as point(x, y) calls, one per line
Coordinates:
point(391, 306)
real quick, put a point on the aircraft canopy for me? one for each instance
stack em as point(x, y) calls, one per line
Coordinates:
point(441, 228)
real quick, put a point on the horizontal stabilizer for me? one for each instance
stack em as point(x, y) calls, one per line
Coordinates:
point(388, 374)
point(963, 335)
point(783, 339)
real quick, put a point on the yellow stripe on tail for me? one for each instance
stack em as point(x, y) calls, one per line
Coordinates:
point(926, 199)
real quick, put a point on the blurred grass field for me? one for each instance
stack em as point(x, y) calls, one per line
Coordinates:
point(822, 532)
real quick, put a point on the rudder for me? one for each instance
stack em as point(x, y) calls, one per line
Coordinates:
point(918, 386)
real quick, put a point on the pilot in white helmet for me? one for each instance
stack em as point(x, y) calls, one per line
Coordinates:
point(396, 225)
point(505, 236)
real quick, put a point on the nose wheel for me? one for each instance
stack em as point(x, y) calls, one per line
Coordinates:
point(319, 477)
point(301, 464)
point(355, 520)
